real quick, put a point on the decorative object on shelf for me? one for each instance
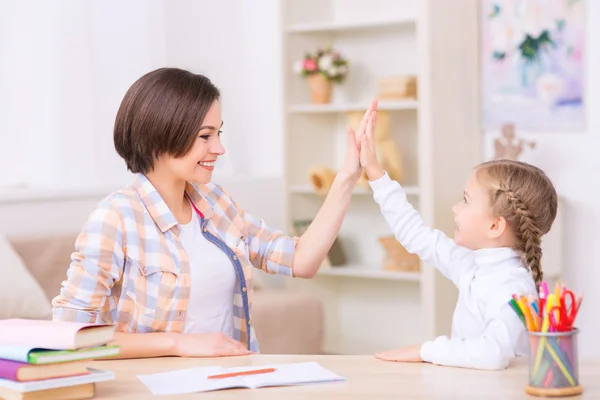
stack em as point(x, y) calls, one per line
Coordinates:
point(322, 68)
point(397, 258)
point(321, 179)
point(336, 255)
point(508, 146)
point(397, 88)
point(532, 66)
point(388, 154)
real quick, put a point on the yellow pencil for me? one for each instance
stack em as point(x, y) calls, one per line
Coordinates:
point(529, 323)
point(545, 328)
point(561, 365)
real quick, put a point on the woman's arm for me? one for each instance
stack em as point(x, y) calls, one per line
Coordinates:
point(96, 265)
point(275, 252)
point(316, 242)
point(141, 345)
point(160, 344)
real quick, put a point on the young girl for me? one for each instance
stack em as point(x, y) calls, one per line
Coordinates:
point(506, 208)
point(169, 259)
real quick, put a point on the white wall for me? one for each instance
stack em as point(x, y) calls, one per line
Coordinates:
point(69, 64)
point(245, 64)
point(66, 66)
point(85, 55)
point(572, 161)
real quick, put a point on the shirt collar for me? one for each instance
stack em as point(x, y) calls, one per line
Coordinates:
point(492, 257)
point(158, 209)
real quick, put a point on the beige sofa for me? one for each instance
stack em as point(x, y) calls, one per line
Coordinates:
point(32, 269)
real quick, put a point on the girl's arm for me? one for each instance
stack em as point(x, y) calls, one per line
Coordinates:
point(503, 335)
point(431, 245)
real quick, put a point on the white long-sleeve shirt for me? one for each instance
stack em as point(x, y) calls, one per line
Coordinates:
point(486, 332)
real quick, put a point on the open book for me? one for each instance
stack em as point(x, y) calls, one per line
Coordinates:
point(192, 380)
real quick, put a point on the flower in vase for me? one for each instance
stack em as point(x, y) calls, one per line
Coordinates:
point(327, 62)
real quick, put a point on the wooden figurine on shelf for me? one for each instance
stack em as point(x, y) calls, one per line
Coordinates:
point(396, 256)
point(321, 179)
point(509, 147)
point(387, 152)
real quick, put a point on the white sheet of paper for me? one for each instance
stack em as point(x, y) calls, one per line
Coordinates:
point(192, 380)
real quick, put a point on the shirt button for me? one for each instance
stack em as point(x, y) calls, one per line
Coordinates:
point(244, 289)
point(249, 322)
point(205, 229)
point(234, 258)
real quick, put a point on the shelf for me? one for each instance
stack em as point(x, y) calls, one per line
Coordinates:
point(339, 108)
point(323, 27)
point(355, 271)
point(307, 189)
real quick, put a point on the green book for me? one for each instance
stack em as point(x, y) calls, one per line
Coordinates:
point(36, 355)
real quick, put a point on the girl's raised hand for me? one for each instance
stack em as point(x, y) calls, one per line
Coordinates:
point(368, 154)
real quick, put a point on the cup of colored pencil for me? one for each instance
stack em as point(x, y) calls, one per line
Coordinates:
point(553, 360)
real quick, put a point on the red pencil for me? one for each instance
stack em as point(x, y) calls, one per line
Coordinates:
point(251, 372)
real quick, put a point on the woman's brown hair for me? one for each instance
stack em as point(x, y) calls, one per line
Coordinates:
point(526, 198)
point(161, 113)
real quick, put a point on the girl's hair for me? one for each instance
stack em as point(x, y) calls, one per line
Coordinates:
point(525, 197)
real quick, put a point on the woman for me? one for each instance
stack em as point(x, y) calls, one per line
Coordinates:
point(169, 258)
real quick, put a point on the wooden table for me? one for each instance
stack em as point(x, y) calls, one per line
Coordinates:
point(367, 378)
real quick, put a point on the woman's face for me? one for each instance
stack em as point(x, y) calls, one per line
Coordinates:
point(198, 164)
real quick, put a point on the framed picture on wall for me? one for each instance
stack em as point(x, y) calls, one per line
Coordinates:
point(532, 64)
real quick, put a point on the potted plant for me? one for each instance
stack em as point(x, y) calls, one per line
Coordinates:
point(322, 69)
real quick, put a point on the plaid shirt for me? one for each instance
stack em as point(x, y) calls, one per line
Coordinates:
point(130, 267)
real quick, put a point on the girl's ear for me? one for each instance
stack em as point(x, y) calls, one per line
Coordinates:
point(497, 228)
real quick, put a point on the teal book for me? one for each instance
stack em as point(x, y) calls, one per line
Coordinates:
point(36, 355)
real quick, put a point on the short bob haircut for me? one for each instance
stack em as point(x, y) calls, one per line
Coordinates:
point(161, 113)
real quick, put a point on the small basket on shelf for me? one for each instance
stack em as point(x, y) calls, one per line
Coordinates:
point(397, 87)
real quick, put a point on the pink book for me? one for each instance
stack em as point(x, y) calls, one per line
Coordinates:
point(54, 335)
point(23, 372)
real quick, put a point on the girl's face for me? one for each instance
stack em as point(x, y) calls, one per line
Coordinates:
point(475, 223)
point(198, 164)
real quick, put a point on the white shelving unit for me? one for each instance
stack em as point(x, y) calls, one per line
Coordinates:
point(362, 271)
point(346, 107)
point(351, 26)
point(308, 190)
point(367, 308)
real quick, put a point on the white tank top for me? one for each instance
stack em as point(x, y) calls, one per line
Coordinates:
point(213, 279)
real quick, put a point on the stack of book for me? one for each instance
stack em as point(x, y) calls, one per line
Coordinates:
point(47, 359)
